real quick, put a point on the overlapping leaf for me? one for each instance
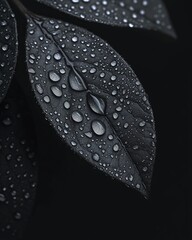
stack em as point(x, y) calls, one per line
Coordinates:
point(18, 171)
point(8, 46)
point(93, 100)
point(147, 14)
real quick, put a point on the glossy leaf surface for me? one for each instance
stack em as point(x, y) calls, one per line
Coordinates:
point(93, 100)
point(145, 14)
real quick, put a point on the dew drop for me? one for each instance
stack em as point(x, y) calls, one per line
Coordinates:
point(96, 103)
point(77, 117)
point(46, 99)
point(57, 56)
point(98, 127)
point(54, 77)
point(96, 157)
point(76, 82)
point(2, 197)
point(39, 88)
point(142, 123)
point(56, 91)
point(66, 105)
point(116, 148)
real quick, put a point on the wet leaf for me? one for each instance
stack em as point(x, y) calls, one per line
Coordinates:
point(18, 171)
point(93, 100)
point(147, 14)
point(8, 46)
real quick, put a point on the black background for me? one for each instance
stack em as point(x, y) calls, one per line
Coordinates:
point(74, 200)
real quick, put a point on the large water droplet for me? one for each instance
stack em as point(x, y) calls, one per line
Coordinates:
point(96, 103)
point(56, 91)
point(98, 127)
point(77, 117)
point(54, 76)
point(76, 82)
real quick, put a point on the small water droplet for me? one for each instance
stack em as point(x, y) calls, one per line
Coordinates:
point(2, 197)
point(96, 157)
point(39, 88)
point(17, 216)
point(98, 127)
point(77, 117)
point(57, 56)
point(7, 121)
point(116, 148)
point(142, 123)
point(66, 105)
point(46, 99)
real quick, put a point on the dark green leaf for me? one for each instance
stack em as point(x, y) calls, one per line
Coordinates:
point(93, 100)
point(147, 14)
point(8, 46)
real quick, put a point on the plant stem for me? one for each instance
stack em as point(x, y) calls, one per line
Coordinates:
point(22, 8)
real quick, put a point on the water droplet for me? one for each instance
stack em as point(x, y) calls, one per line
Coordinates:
point(116, 148)
point(113, 63)
point(57, 56)
point(110, 137)
point(76, 82)
point(56, 91)
point(142, 123)
point(17, 216)
point(126, 125)
point(46, 99)
point(98, 127)
point(39, 88)
point(2, 197)
point(66, 105)
point(74, 39)
point(7, 121)
point(77, 117)
point(96, 157)
point(96, 103)
point(54, 76)
point(135, 147)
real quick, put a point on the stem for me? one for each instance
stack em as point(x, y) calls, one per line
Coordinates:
point(22, 8)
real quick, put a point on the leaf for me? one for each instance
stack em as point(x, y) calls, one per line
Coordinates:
point(8, 47)
point(18, 170)
point(93, 100)
point(145, 14)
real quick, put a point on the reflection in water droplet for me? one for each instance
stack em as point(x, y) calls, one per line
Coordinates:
point(56, 91)
point(98, 127)
point(76, 82)
point(96, 103)
point(77, 117)
point(54, 76)
point(96, 157)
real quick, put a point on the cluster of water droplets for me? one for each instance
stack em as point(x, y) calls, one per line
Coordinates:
point(17, 170)
point(150, 14)
point(93, 99)
point(8, 47)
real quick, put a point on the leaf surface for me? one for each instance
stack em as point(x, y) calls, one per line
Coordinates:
point(93, 100)
point(145, 14)
point(18, 170)
point(8, 46)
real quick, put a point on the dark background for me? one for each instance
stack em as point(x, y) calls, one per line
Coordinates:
point(75, 200)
